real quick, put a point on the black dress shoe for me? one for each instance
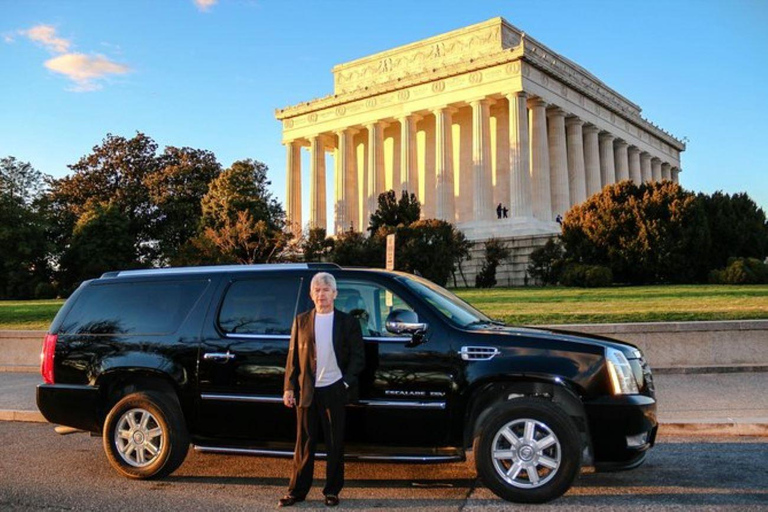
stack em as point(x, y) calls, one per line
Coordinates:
point(331, 500)
point(289, 501)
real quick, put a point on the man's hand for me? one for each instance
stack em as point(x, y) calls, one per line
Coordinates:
point(288, 399)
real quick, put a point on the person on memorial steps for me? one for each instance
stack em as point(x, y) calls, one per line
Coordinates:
point(325, 357)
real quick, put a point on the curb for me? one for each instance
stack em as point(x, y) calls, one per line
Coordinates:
point(693, 370)
point(26, 416)
point(728, 428)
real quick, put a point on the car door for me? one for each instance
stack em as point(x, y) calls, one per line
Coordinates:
point(242, 360)
point(404, 391)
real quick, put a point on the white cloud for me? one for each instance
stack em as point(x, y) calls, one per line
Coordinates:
point(46, 36)
point(85, 70)
point(204, 5)
point(8, 38)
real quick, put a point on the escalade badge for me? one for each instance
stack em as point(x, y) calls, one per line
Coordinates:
point(400, 392)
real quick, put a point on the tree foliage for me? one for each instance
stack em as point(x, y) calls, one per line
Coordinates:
point(176, 189)
point(101, 241)
point(241, 221)
point(393, 212)
point(648, 233)
point(737, 228)
point(495, 253)
point(546, 262)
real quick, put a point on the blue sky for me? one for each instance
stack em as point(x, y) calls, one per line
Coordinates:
point(209, 74)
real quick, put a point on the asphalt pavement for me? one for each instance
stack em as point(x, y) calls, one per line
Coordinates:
point(689, 403)
point(41, 470)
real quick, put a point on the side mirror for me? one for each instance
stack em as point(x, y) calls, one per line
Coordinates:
point(403, 321)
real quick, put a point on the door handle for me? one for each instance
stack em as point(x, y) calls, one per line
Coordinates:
point(218, 356)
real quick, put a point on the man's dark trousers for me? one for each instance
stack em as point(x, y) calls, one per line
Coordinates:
point(327, 408)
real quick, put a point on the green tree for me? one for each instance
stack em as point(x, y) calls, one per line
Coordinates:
point(20, 181)
point(101, 241)
point(241, 221)
point(546, 262)
point(352, 248)
point(393, 212)
point(737, 228)
point(650, 233)
point(495, 253)
point(177, 189)
point(112, 176)
point(431, 248)
point(316, 246)
point(23, 230)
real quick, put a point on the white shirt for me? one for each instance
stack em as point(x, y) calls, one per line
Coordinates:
point(327, 368)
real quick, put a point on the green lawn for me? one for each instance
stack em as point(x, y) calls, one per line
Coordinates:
point(532, 306)
point(621, 304)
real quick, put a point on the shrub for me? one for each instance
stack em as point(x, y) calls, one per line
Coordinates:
point(649, 233)
point(45, 291)
point(737, 227)
point(586, 276)
point(495, 253)
point(546, 262)
point(741, 271)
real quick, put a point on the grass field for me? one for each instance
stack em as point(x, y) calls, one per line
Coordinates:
point(533, 306)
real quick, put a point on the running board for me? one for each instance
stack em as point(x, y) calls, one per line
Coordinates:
point(451, 455)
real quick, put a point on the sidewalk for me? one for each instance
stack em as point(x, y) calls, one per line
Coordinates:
point(688, 403)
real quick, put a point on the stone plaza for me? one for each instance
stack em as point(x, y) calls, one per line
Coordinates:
point(475, 122)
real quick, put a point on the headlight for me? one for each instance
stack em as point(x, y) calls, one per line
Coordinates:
point(622, 378)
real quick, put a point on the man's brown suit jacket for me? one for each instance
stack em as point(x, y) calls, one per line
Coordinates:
point(301, 366)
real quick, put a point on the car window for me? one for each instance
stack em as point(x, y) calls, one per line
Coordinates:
point(133, 308)
point(370, 303)
point(260, 306)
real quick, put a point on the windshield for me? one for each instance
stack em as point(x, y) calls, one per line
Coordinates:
point(453, 308)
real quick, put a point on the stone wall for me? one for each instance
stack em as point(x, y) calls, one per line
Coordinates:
point(511, 272)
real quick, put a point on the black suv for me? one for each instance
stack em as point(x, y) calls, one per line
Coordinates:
point(156, 359)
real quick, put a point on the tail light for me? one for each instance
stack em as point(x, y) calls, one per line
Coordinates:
point(46, 357)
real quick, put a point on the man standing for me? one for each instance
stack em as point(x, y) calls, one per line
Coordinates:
point(324, 359)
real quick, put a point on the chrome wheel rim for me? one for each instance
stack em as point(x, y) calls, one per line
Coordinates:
point(526, 453)
point(139, 438)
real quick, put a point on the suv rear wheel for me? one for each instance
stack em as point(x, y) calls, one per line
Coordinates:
point(528, 451)
point(145, 435)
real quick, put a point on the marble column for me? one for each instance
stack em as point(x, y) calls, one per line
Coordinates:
point(346, 213)
point(542, 199)
point(293, 187)
point(621, 158)
point(317, 215)
point(634, 165)
point(656, 167)
point(577, 181)
point(409, 170)
point(445, 209)
point(645, 165)
point(675, 174)
point(519, 157)
point(481, 161)
point(558, 161)
point(375, 167)
point(607, 163)
point(592, 159)
point(666, 171)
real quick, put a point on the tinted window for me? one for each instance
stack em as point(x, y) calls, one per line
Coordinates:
point(133, 308)
point(260, 306)
point(370, 303)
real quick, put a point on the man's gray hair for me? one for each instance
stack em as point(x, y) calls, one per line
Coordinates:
point(323, 278)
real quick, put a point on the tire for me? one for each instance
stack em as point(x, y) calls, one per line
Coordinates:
point(528, 473)
point(145, 435)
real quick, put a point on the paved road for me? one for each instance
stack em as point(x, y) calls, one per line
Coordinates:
point(44, 471)
point(714, 398)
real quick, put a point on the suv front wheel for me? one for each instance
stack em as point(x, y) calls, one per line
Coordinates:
point(528, 451)
point(145, 435)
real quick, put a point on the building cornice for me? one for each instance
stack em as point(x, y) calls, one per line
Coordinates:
point(467, 50)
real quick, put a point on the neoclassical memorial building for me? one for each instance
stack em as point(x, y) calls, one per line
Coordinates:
point(469, 120)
